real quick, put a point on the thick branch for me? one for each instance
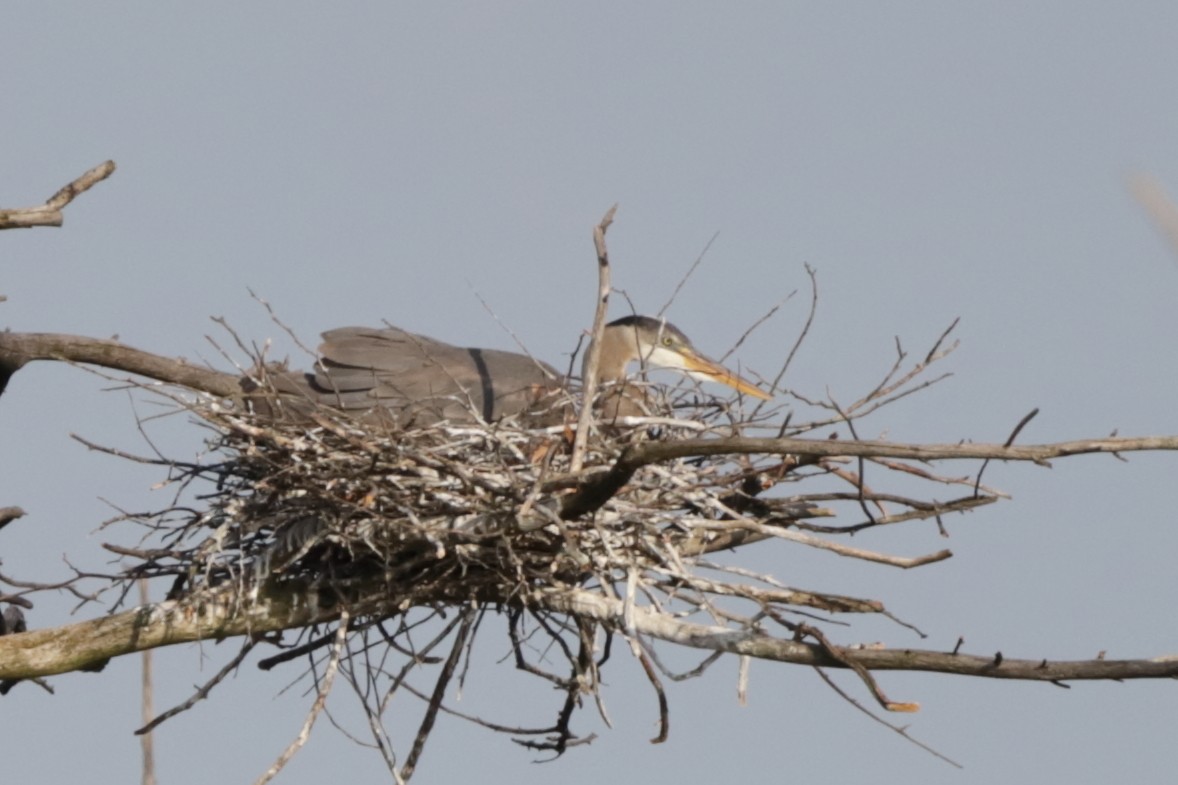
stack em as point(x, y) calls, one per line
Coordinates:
point(54, 650)
point(74, 647)
point(18, 349)
point(49, 214)
point(656, 452)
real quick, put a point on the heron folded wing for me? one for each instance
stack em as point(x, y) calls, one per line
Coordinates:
point(391, 349)
point(424, 379)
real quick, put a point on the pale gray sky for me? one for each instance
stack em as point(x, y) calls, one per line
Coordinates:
point(367, 161)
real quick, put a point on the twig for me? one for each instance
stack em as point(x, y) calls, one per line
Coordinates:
point(814, 542)
point(898, 729)
point(522, 346)
point(847, 659)
point(1009, 441)
point(201, 693)
point(316, 708)
point(147, 742)
point(774, 386)
point(648, 668)
point(756, 324)
point(435, 701)
point(687, 275)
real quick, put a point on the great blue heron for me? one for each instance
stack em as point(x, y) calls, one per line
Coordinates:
point(420, 380)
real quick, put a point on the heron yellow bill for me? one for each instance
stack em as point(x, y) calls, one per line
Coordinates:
point(702, 368)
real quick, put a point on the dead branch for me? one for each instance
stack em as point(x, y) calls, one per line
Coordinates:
point(593, 360)
point(651, 623)
point(150, 722)
point(435, 701)
point(19, 349)
point(49, 214)
point(599, 487)
point(10, 514)
point(654, 452)
point(72, 647)
point(316, 708)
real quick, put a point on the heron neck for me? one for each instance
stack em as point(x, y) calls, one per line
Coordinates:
point(616, 353)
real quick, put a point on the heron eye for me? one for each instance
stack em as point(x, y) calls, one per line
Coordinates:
point(667, 341)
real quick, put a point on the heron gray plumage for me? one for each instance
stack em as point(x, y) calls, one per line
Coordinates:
point(419, 379)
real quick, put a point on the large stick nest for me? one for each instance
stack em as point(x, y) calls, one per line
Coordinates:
point(448, 512)
point(388, 520)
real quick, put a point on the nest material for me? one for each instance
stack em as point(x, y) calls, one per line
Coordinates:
point(390, 522)
point(437, 514)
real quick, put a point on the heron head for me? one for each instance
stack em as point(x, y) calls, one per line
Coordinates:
point(660, 344)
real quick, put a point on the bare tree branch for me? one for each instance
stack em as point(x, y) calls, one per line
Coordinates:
point(46, 652)
point(316, 708)
point(73, 647)
point(19, 349)
point(49, 214)
point(10, 514)
point(593, 360)
point(651, 623)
